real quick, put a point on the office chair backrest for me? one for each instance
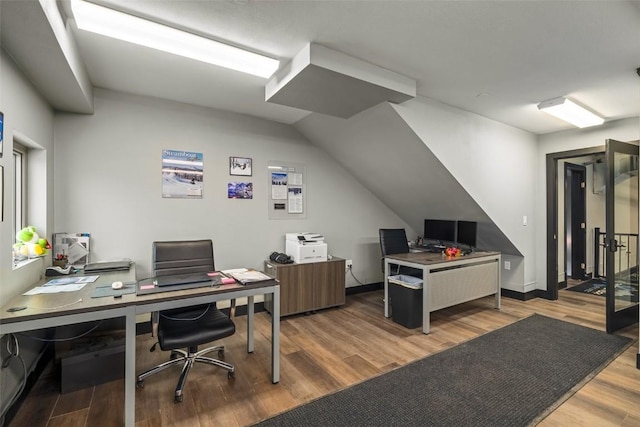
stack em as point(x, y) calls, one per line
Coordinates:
point(182, 257)
point(393, 241)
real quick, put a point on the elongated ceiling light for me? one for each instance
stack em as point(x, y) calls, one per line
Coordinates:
point(118, 25)
point(570, 112)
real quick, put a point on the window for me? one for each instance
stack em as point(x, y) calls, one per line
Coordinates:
point(19, 187)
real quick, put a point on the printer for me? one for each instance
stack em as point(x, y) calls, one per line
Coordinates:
point(306, 247)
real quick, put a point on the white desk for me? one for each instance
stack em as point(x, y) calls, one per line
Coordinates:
point(49, 310)
point(448, 281)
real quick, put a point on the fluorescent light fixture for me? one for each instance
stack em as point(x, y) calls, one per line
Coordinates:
point(122, 26)
point(570, 112)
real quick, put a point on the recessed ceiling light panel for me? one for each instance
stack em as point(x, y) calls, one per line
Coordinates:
point(570, 112)
point(122, 26)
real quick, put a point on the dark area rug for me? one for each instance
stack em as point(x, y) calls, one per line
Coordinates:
point(513, 376)
point(598, 287)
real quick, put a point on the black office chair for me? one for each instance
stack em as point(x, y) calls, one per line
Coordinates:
point(188, 327)
point(394, 241)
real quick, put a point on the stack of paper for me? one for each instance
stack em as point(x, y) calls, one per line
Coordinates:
point(245, 276)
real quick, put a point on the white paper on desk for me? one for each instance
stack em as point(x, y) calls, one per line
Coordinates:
point(54, 289)
point(71, 280)
point(234, 270)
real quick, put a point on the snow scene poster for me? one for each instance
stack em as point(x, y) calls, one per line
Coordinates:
point(182, 174)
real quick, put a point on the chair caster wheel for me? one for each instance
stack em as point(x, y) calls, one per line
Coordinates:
point(177, 399)
point(221, 354)
point(140, 384)
point(231, 375)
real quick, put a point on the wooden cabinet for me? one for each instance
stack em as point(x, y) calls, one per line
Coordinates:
point(307, 287)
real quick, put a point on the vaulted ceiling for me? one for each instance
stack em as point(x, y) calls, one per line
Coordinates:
point(498, 59)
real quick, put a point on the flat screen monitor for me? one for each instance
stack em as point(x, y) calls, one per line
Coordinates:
point(467, 231)
point(442, 230)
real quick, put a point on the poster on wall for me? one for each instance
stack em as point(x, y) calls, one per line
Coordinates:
point(182, 174)
point(240, 190)
point(295, 200)
point(1, 131)
point(288, 195)
point(279, 185)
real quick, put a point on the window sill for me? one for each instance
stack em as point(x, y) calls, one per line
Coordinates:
point(23, 263)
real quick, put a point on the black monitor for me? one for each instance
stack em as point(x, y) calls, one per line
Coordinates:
point(442, 230)
point(467, 231)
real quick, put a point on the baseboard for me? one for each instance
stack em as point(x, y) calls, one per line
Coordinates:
point(144, 328)
point(521, 296)
point(536, 293)
point(352, 290)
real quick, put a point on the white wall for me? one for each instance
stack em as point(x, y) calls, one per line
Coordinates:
point(621, 130)
point(493, 162)
point(29, 118)
point(108, 183)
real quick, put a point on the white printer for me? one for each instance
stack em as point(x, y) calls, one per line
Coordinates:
point(306, 247)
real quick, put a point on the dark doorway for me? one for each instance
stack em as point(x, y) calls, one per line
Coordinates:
point(553, 178)
point(575, 227)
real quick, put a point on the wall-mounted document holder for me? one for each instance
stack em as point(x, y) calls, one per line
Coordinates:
point(287, 196)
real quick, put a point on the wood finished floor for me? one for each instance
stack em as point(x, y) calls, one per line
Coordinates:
point(328, 351)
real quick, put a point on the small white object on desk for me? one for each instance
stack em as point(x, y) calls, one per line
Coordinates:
point(117, 285)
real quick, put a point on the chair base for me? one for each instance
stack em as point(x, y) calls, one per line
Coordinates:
point(188, 358)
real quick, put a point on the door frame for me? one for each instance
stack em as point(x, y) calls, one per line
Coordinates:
point(577, 212)
point(552, 159)
point(615, 319)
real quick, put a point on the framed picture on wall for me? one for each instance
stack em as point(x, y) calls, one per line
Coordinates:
point(240, 190)
point(240, 166)
point(1, 131)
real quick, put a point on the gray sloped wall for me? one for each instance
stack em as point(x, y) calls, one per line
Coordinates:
point(387, 157)
point(384, 151)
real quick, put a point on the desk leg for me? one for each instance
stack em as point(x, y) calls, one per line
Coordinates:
point(426, 326)
point(386, 287)
point(130, 370)
point(499, 284)
point(275, 337)
point(250, 323)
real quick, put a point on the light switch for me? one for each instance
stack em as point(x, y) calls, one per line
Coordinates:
point(524, 220)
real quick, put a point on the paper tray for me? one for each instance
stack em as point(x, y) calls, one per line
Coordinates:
point(406, 281)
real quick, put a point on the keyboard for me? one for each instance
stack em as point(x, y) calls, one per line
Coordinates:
point(433, 248)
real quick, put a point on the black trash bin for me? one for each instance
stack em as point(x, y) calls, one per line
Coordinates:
point(405, 293)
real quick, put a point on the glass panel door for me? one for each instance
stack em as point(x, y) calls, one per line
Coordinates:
point(622, 234)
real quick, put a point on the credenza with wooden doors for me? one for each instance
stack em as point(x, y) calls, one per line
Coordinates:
point(307, 287)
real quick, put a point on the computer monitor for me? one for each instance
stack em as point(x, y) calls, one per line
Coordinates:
point(467, 232)
point(442, 230)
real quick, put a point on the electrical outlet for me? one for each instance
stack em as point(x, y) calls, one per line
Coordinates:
point(507, 265)
point(349, 264)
